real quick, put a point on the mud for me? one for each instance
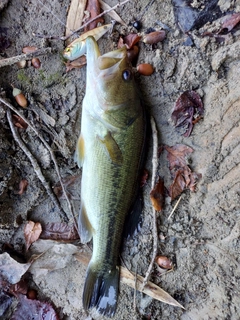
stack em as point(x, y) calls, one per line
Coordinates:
point(202, 237)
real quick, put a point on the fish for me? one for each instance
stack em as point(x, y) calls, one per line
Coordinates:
point(109, 150)
point(77, 48)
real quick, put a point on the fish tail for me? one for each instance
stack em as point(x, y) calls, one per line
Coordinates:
point(101, 291)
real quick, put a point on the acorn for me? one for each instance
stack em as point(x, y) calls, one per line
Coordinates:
point(29, 49)
point(19, 97)
point(164, 262)
point(145, 69)
point(36, 63)
point(22, 64)
point(154, 37)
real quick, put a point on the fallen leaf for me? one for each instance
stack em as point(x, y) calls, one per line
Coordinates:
point(176, 155)
point(178, 185)
point(32, 232)
point(157, 195)
point(22, 186)
point(59, 231)
point(230, 22)
point(129, 41)
point(19, 122)
point(75, 16)
point(187, 107)
point(11, 270)
point(33, 309)
point(93, 7)
point(76, 64)
point(112, 13)
point(184, 179)
point(19, 287)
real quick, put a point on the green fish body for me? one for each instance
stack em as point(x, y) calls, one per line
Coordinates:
point(109, 150)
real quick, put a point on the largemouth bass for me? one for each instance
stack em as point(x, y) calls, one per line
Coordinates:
point(109, 150)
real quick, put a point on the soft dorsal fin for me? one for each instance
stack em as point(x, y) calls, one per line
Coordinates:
point(80, 149)
point(112, 149)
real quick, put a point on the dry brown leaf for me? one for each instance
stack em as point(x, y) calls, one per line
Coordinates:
point(19, 122)
point(78, 63)
point(112, 14)
point(75, 16)
point(32, 232)
point(157, 195)
point(93, 7)
point(129, 41)
point(22, 186)
point(59, 231)
point(184, 179)
point(176, 155)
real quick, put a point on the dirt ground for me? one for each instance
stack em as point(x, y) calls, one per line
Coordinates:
point(202, 236)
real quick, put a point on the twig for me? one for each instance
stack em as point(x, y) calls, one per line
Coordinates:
point(25, 56)
point(154, 212)
point(51, 153)
point(99, 16)
point(35, 165)
point(175, 207)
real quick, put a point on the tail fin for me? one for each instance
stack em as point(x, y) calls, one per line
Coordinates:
point(101, 291)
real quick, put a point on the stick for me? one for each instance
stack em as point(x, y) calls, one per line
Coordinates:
point(154, 213)
point(25, 56)
point(175, 207)
point(51, 153)
point(36, 166)
point(99, 16)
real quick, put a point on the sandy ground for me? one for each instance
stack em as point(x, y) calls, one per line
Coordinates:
point(202, 237)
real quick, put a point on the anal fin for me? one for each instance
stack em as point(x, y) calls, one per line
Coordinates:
point(84, 225)
point(79, 154)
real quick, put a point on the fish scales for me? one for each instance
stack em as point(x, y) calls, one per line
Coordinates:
point(109, 150)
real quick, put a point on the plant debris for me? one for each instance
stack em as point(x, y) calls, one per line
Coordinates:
point(184, 178)
point(32, 232)
point(188, 108)
point(30, 308)
point(22, 186)
point(76, 64)
point(93, 7)
point(59, 231)
point(157, 195)
point(129, 41)
point(19, 122)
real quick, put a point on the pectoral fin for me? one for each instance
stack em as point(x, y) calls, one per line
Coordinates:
point(84, 225)
point(112, 149)
point(79, 154)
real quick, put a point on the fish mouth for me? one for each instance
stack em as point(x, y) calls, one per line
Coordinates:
point(106, 65)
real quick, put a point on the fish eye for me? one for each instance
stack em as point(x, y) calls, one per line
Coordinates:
point(127, 75)
point(67, 49)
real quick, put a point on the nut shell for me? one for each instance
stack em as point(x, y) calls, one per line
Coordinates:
point(164, 262)
point(154, 37)
point(145, 69)
point(36, 63)
point(19, 97)
point(29, 49)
